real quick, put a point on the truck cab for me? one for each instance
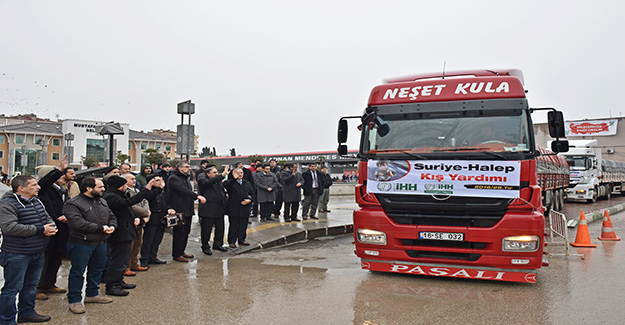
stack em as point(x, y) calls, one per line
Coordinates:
point(448, 182)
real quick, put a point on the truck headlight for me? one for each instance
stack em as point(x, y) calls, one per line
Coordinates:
point(368, 236)
point(520, 243)
point(580, 191)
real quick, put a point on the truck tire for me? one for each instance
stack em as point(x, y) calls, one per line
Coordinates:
point(606, 192)
point(548, 202)
point(561, 199)
point(556, 200)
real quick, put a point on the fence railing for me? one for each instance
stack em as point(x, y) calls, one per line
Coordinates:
point(558, 226)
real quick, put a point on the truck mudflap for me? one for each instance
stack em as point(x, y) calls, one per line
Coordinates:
point(453, 271)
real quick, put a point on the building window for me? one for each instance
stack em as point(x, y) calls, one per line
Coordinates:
point(57, 142)
point(95, 148)
point(19, 139)
point(129, 146)
point(129, 158)
point(168, 147)
point(1, 154)
point(38, 140)
point(1, 139)
point(157, 146)
point(55, 156)
point(143, 146)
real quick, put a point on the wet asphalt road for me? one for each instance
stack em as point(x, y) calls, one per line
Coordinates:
point(320, 282)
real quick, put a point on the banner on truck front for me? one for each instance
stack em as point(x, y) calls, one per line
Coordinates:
point(477, 178)
point(591, 128)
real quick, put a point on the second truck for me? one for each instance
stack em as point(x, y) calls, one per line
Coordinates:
point(592, 177)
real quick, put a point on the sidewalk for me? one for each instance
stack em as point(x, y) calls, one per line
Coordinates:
point(263, 235)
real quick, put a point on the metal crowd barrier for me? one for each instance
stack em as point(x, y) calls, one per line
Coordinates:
point(558, 226)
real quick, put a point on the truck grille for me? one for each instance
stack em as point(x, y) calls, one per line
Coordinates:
point(456, 211)
point(442, 243)
point(444, 255)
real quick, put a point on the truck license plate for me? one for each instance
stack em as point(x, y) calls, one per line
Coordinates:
point(455, 236)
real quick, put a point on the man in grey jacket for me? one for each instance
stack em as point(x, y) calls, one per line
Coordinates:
point(25, 226)
point(90, 224)
point(266, 184)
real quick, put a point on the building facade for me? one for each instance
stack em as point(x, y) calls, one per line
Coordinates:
point(26, 145)
point(27, 142)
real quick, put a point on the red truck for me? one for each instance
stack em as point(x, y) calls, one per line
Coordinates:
point(553, 178)
point(448, 181)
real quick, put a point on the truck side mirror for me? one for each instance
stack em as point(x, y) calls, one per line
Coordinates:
point(342, 131)
point(342, 150)
point(556, 124)
point(560, 146)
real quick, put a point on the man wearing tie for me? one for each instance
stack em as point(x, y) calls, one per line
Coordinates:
point(313, 187)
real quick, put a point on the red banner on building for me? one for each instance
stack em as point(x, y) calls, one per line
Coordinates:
point(591, 128)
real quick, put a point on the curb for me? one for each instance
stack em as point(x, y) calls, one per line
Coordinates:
point(299, 236)
point(597, 215)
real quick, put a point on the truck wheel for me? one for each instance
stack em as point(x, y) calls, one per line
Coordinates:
point(556, 200)
point(548, 202)
point(594, 198)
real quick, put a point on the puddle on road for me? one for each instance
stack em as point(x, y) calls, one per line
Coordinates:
point(384, 298)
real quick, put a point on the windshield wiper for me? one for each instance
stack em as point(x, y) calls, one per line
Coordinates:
point(494, 154)
point(389, 152)
point(414, 155)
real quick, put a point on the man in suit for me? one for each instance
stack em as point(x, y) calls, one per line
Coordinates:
point(266, 185)
point(180, 197)
point(325, 195)
point(313, 187)
point(240, 198)
point(210, 184)
point(292, 182)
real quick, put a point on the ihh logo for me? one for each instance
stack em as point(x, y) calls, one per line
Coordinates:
point(445, 187)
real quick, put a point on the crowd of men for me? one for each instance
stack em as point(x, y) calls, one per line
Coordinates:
point(112, 227)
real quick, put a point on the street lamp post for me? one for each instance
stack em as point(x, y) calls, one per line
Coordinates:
point(185, 132)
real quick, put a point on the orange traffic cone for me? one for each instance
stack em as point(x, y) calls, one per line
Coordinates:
point(607, 231)
point(583, 237)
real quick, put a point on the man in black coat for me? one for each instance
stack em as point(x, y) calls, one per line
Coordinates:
point(248, 175)
point(154, 230)
point(210, 184)
point(325, 194)
point(53, 196)
point(240, 198)
point(291, 186)
point(181, 197)
point(120, 242)
point(313, 187)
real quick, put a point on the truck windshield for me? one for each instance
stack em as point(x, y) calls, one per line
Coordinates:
point(489, 131)
point(577, 162)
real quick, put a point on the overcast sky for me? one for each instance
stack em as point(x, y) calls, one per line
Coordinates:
point(275, 76)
